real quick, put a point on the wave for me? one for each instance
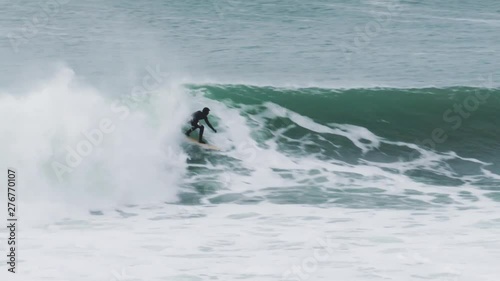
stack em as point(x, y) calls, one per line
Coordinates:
point(460, 119)
point(393, 141)
point(77, 148)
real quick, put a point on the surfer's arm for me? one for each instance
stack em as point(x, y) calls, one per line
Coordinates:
point(210, 125)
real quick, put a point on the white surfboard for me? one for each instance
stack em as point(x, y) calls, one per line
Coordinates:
point(204, 145)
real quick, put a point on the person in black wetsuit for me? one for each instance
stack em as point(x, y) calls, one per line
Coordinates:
point(197, 116)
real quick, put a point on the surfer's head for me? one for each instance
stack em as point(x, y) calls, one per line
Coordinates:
point(206, 110)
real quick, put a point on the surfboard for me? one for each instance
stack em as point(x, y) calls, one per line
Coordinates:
point(204, 145)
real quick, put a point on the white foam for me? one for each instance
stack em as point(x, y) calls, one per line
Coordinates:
point(140, 161)
point(267, 242)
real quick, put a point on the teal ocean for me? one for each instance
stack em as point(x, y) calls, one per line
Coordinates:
point(437, 136)
point(359, 140)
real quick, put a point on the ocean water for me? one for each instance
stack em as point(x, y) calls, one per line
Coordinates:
point(359, 139)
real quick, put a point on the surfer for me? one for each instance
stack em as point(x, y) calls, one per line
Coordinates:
point(196, 117)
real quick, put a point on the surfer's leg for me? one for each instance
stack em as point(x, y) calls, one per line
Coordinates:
point(194, 126)
point(202, 128)
point(188, 132)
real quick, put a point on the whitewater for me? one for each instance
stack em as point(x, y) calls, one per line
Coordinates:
point(375, 162)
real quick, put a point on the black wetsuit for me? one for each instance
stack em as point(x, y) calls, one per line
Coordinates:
point(197, 116)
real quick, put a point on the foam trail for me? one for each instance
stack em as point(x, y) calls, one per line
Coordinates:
point(353, 133)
